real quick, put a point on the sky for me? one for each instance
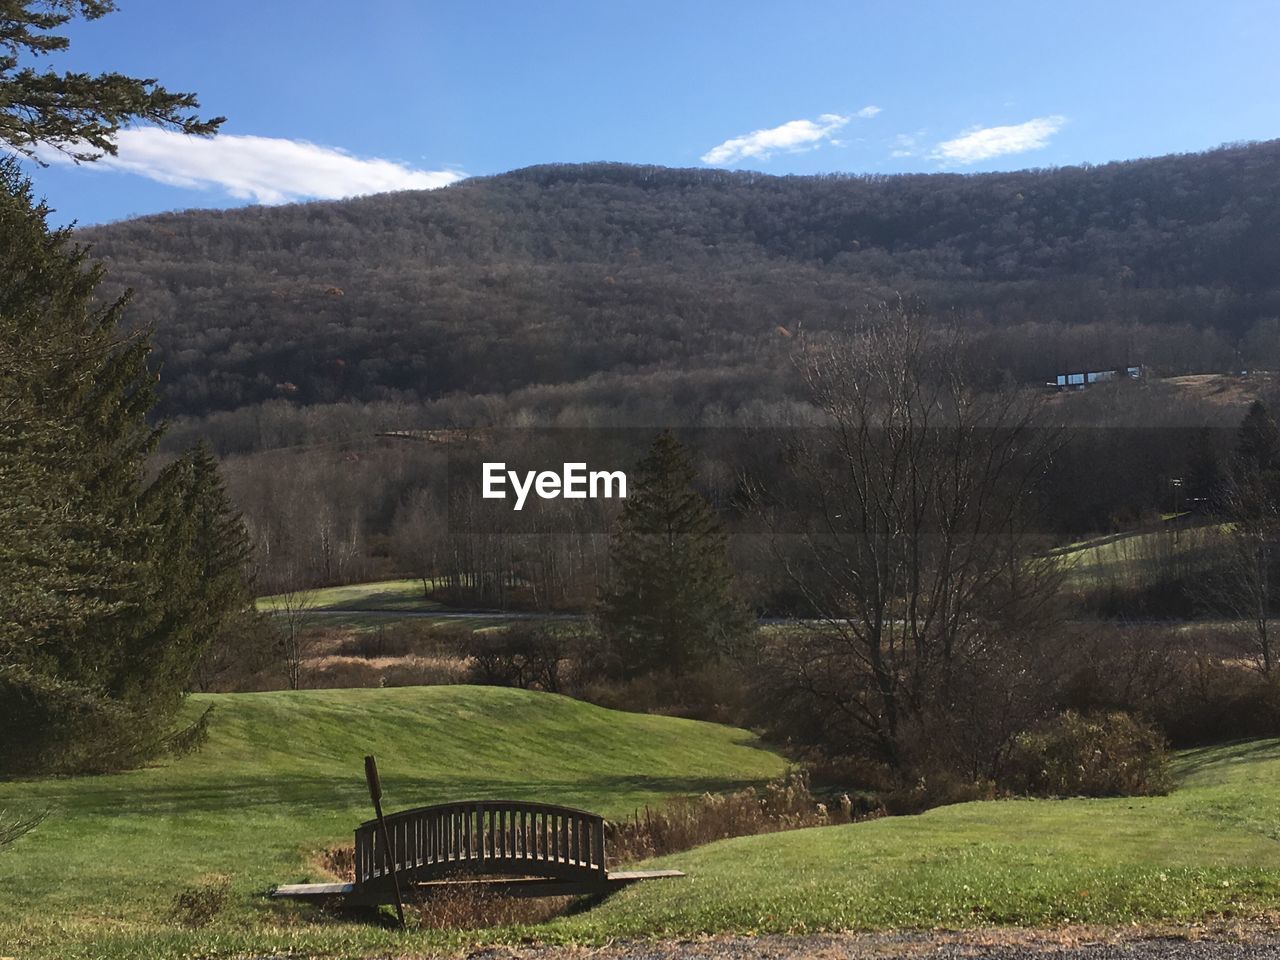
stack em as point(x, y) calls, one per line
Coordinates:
point(327, 99)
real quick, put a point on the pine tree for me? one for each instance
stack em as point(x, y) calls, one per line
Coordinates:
point(670, 604)
point(1258, 441)
point(108, 588)
point(76, 113)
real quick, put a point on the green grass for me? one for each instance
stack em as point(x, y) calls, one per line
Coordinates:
point(396, 596)
point(282, 777)
point(1212, 845)
point(1130, 555)
point(95, 880)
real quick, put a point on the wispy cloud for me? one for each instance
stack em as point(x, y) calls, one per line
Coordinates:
point(906, 144)
point(262, 169)
point(987, 142)
point(795, 136)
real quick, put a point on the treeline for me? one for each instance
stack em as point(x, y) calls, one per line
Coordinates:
point(563, 278)
point(367, 507)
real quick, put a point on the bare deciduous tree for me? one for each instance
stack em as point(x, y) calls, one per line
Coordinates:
point(914, 506)
point(294, 611)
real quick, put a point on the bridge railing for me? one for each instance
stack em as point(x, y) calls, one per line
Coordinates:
point(508, 837)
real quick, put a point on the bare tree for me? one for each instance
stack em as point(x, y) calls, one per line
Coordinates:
point(912, 508)
point(294, 611)
point(1246, 585)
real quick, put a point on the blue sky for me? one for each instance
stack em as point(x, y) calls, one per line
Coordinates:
point(330, 99)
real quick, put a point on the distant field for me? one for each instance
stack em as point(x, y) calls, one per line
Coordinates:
point(382, 595)
point(1133, 554)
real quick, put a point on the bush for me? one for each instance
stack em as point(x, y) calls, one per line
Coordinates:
point(1103, 755)
point(399, 639)
point(197, 905)
point(528, 655)
point(1189, 680)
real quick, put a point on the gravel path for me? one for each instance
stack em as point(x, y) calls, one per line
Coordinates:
point(1236, 944)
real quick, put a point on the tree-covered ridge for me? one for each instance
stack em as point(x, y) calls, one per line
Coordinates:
point(552, 274)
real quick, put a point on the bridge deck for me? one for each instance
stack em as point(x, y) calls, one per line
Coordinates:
point(518, 887)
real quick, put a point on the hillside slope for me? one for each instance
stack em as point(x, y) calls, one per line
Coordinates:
point(1211, 846)
point(555, 275)
point(281, 778)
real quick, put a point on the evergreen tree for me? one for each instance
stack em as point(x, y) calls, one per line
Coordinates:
point(1206, 478)
point(1258, 441)
point(670, 603)
point(75, 113)
point(108, 588)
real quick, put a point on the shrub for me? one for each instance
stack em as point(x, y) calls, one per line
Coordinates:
point(1101, 755)
point(392, 640)
point(197, 905)
point(527, 655)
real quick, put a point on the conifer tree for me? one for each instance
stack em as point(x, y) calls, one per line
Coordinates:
point(670, 603)
point(108, 588)
point(76, 113)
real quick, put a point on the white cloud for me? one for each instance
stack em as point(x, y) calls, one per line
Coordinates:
point(795, 136)
point(988, 142)
point(906, 144)
point(261, 169)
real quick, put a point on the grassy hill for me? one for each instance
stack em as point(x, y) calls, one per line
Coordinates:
point(281, 778)
point(1213, 845)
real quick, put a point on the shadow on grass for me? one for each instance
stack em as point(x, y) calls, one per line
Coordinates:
point(1198, 759)
point(327, 795)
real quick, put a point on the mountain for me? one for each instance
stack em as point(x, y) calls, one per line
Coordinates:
point(555, 277)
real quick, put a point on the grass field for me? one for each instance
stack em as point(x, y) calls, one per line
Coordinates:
point(1130, 556)
point(281, 778)
point(386, 596)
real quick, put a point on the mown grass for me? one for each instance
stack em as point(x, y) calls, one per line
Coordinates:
point(96, 880)
point(396, 596)
point(282, 777)
point(1138, 555)
point(1213, 845)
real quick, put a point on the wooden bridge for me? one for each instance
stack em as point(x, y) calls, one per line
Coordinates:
point(506, 846)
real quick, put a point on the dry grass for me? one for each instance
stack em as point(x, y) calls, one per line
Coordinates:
point(472, 908)
point(337, 672)
point(686, 822)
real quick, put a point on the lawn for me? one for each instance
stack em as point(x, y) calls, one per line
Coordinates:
point(1212, 845)
point(1135, 556)
point(388, 596)
point(281, 778)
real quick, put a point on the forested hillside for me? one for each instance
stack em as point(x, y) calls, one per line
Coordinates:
point(596, 275)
